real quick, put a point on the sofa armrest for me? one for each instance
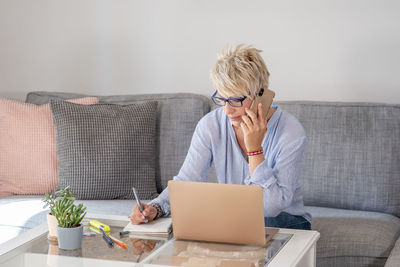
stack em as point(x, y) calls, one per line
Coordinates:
point(394, 257)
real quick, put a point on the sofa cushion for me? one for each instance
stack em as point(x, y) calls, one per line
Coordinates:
point(353, 155)
point(394, 257)
point(177, 117)
point(351, 261)
point(28, 159)
point(103, 150)
point(349, 233)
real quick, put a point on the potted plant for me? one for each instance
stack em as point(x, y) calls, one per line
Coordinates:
point(69, 217)
point(49, 200)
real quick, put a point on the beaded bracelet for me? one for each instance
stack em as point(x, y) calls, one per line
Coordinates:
point(255, 150)
point(255, 153)
point(160, 213)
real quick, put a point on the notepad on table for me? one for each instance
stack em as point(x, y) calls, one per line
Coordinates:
point(160, 228)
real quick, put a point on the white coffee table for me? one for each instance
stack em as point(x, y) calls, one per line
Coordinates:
point(300, 251)
point(31, 249)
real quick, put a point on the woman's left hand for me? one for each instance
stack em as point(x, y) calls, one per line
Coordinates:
point(254, 127)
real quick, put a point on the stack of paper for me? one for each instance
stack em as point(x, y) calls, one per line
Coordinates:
point(157, 229)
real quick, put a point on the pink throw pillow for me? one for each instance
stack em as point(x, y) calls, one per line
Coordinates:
point(28, 157)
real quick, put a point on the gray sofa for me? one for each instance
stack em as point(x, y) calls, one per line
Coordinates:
point(351, 175)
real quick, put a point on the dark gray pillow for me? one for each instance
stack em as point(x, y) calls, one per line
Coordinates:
point(103, 150)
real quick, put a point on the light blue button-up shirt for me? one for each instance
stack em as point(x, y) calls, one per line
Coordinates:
point(214, 141)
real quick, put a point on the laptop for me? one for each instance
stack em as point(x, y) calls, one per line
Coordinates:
point(227, 213)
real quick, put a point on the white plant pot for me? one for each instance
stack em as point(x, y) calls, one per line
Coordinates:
point(52, 224)
point(70, 238)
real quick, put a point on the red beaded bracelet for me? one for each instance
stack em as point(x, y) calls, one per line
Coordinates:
point(255, 153)
point(255, 150)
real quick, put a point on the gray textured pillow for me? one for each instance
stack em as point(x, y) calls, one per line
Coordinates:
point(103, 150)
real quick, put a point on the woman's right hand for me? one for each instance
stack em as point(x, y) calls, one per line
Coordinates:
point(149, 212)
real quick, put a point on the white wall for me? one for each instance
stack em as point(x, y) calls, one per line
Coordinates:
point(336, 50)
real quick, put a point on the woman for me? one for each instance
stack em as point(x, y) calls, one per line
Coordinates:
point(245, 147)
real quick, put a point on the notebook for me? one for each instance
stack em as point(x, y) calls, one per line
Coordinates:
point(228, 213)
point(157, 229)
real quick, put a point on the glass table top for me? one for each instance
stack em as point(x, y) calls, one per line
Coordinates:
point(168, 251)
point(197, 253)
point(95, 247)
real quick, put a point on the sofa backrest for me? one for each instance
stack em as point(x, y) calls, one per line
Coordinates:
point(353, 154)
point(177, 117)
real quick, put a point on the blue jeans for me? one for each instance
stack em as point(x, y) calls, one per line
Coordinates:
point(286, 220)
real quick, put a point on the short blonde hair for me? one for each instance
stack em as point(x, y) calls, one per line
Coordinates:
point(239, 70)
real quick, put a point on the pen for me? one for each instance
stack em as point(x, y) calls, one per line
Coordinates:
point(107, 238)
point(123, 233)
point(139, 204)
point(85, 234)
point(118, 242)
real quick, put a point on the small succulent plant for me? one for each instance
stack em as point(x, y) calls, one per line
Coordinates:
point(61, 204)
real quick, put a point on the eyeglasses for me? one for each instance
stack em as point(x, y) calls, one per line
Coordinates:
point(234, 102)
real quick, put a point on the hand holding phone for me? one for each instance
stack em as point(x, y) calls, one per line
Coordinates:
point(265, 97)
point(254, 127)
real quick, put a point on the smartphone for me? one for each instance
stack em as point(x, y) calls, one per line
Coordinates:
point(265, 97)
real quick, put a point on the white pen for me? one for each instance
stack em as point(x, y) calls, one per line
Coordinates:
point(139, 204)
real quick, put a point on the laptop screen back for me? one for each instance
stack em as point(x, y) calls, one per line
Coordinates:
point(226, 213)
